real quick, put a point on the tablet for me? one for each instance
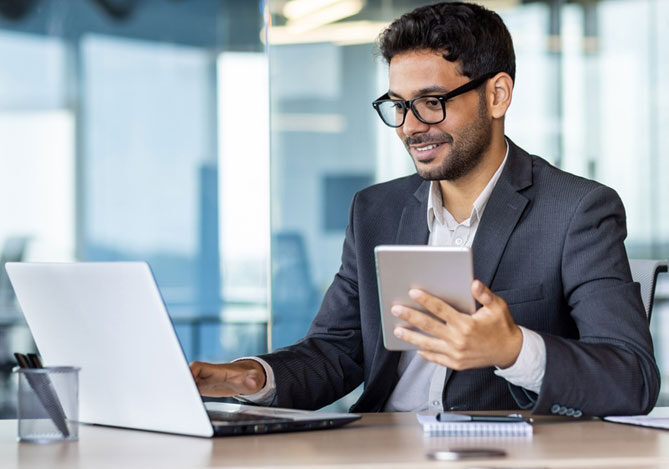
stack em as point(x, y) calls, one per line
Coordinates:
point(445, 272)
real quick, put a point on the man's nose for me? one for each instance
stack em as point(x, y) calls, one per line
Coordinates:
point(412, 125)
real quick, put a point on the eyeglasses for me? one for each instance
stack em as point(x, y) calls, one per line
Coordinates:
point(430, 109)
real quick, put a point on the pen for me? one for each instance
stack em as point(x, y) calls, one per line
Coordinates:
point(45, 391)
point(34, 360)
point(448, 417)
point(22, 360)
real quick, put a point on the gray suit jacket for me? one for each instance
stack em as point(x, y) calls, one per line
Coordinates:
point(550, 243)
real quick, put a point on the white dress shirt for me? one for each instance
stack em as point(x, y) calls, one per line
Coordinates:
point(421, 382)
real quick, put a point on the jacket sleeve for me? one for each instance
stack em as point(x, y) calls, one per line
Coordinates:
point(610, 369)
point(328, 363)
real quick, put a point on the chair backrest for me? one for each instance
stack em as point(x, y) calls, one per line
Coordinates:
point(13, 250)
point(645, 271)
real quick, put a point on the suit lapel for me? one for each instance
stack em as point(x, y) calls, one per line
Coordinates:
point(413, 222)
point(412, 230)
point(502, 212)
point(501, 215)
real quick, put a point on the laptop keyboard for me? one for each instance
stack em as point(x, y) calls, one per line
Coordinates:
point(220, 416)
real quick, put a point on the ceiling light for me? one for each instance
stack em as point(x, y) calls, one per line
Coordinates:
point(328, 13)
point(299, 8)
point(346, 33)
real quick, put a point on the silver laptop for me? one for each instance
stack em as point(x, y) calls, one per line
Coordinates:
point(109, 319)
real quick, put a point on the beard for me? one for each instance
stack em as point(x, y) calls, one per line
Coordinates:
point(466, 152)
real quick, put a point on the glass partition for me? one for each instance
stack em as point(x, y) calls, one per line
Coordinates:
point(139, 131)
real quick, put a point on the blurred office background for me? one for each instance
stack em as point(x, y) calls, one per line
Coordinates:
point(222, 141)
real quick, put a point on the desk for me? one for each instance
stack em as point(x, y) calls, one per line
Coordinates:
point(387, 441)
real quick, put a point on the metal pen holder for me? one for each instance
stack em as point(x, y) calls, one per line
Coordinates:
point(48, 404)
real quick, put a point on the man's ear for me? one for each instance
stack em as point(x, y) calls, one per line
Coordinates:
point(499, 91)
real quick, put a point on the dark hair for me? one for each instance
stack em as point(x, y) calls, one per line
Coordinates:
point(464, 32)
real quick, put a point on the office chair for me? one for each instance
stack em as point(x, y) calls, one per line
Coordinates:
point(295, 298)
point(645, 271)
point(13, 250)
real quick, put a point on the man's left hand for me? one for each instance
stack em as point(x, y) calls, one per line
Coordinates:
point(460, 341)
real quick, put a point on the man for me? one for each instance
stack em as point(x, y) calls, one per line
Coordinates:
point(561, 327)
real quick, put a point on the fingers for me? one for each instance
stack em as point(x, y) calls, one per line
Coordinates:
point(421, 340)
point(420, 320)
point(493, 307)
point(196, 368)
point(214, 380)
point(228, 379)
point(201, 374)
point(436, 306)
point(483, 294)
point(436, 350)
point(443, 322)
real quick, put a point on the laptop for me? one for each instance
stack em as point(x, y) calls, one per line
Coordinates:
point(109, 319)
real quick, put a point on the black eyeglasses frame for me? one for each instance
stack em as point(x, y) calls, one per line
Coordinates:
point(409, 104)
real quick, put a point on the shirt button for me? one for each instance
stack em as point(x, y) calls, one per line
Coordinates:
point(458, 241)
point(436, 403)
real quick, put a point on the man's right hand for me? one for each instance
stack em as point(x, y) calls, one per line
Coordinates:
point(228, 379)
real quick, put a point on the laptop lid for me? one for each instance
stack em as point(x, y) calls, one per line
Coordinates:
point(109, 319)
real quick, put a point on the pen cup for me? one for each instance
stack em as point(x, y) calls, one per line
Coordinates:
point(48, 404)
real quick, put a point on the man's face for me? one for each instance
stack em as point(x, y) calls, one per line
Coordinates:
point(454, 147)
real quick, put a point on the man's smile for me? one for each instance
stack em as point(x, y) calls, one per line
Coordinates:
point(425, 152)
point(427, 147)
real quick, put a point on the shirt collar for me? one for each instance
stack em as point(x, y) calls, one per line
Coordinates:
point(434, 198)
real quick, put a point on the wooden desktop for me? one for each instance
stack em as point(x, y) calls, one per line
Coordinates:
point(393, 440)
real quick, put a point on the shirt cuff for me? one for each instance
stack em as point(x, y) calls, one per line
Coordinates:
point(266, 395)
point(530, 366)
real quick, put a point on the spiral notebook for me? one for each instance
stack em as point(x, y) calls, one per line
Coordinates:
point(434, 427)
